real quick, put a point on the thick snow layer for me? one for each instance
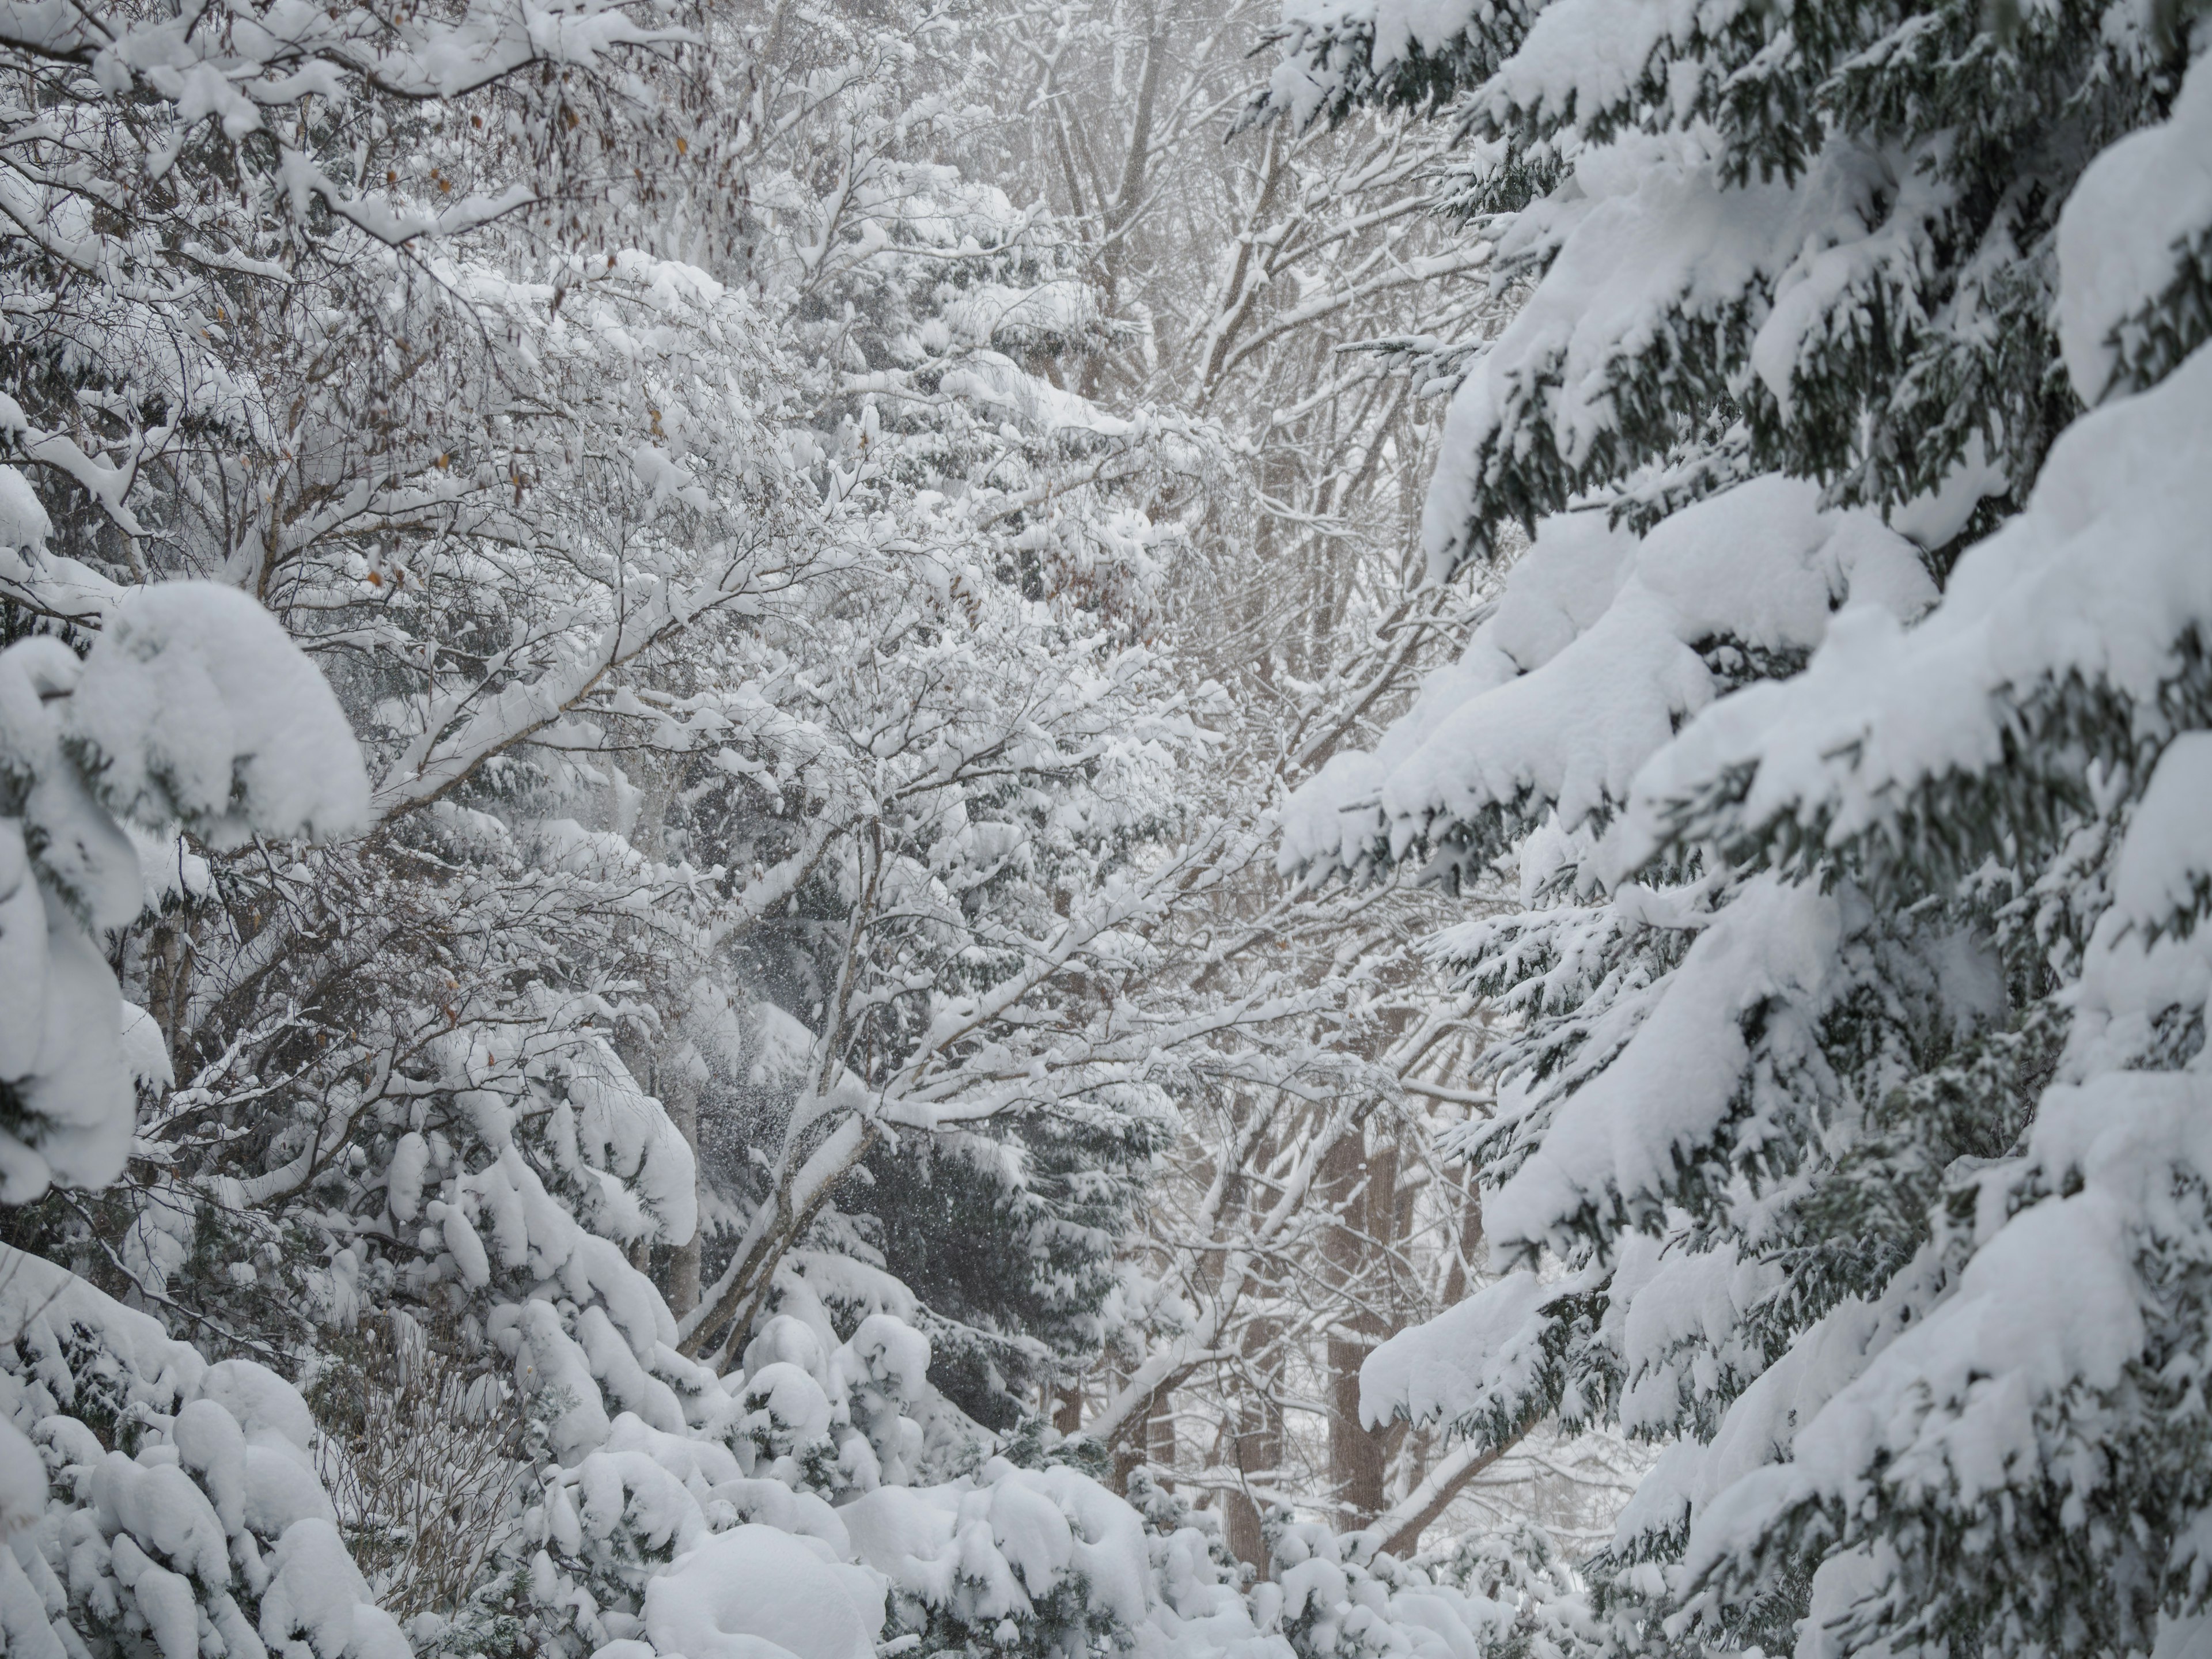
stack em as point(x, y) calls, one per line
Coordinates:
point(220, 1500)
point(1616, 1142)
point(756, 1593)
point(2051, 1308)
point(993, 1548)
point(56, 584)
point(1482, 1357)
point(196, 708)
point(2102, 577)
point(23, 521)
point(61, 1050)
point(761, 1570)
point(1761, 1426)
point(1580, 56)
point(316, 1592)
point(1352, 1601)
point(23, 1482)
point(2138, 212)
point(1400, 27)
point(2163, 871)
point(1592, 659)
point(51, 582)
point(1648, 228)
point(1677, 1318)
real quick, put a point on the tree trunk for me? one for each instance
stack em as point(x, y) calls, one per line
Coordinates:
point(1136, 162)
point(1159, 1434)
point(1255, 1450)
point(680, 1095)
point(1362, 1187)
point(1067, 1408)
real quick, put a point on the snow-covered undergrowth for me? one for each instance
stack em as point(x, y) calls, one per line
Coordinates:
point(155, 1502)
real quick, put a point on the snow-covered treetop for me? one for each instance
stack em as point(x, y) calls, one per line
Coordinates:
point(1766, 239)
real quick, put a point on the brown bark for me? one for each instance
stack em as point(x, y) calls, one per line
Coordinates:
point(1362, 1189)
point(1255, 1450)
point(1145, 1439)
point(1067, 1408)
point(1159, 1434)
point(1356, 1463)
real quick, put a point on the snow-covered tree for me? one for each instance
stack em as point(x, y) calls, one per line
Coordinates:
point(152, 1500)
point(1828, 745)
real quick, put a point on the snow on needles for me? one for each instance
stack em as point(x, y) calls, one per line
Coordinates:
point(1616, 1143)
point(2101, 579)
point(1601, 645)
point(2136, 218)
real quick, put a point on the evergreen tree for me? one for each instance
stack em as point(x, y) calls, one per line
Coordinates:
point(1832, 735)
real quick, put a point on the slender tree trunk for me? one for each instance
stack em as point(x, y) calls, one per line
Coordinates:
point(1362, 1190)
point(1067, 1408)
point(1160, 1433)
point(1255, 1450)
point(679, 1085)
point(1136, 162)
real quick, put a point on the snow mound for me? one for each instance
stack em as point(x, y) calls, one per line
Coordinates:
point(756, 1593)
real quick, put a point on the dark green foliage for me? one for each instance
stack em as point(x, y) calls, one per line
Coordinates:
point(1010, 1238)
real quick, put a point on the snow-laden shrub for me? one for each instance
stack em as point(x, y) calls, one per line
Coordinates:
point(173, 1507)
point(194, 710)
point(1337, 1596)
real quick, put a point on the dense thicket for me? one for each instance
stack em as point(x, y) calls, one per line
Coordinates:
point(625, 864)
